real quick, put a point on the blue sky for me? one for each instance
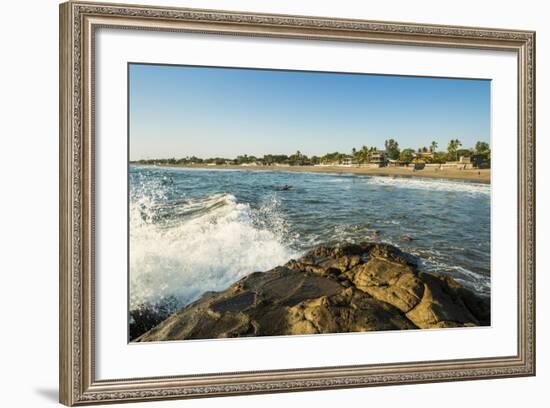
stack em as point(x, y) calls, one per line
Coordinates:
point(178, 111)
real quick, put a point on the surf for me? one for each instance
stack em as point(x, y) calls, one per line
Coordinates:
point(180, 249)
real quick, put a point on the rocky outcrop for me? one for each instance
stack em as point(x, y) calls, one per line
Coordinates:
point(347, 288)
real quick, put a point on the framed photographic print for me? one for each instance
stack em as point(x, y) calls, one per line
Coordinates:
point(256, 203)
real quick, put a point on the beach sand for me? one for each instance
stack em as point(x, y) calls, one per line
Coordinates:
point(476, 175)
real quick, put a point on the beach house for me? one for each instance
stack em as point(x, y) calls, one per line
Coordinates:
point(348, 161)
point(480, 161)
point(378, 157)
point(427, 156)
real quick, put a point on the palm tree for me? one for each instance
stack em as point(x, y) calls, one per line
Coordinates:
point(454, 144)
point(433, 146)
point(458, 144)
point(364, 154)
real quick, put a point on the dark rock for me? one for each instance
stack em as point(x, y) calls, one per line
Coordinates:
point(331, 289)
point(347, 311)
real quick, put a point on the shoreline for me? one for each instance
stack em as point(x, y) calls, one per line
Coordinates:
point(480, 176)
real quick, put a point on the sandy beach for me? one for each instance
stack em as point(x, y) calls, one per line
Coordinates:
point(475, 175)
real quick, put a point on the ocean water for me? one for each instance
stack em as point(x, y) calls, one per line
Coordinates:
point(198, 230)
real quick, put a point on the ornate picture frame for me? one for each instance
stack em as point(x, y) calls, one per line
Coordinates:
point(78, 24)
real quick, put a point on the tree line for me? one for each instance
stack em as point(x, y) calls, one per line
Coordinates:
point(364, 154)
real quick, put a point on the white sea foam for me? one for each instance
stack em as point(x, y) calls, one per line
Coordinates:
point(432, 185)
point(475, 281)
point(208, 245)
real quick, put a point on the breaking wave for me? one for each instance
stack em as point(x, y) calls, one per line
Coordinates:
point(432, 184)
point(181, 248)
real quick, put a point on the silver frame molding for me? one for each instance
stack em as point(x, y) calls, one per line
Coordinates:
point(78, 22)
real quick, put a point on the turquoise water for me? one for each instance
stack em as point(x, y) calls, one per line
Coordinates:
point(196, 230)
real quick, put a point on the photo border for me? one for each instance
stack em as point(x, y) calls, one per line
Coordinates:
point(226, 67)
point(78, 22)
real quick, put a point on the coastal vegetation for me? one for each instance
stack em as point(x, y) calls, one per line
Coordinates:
point(481, 152)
